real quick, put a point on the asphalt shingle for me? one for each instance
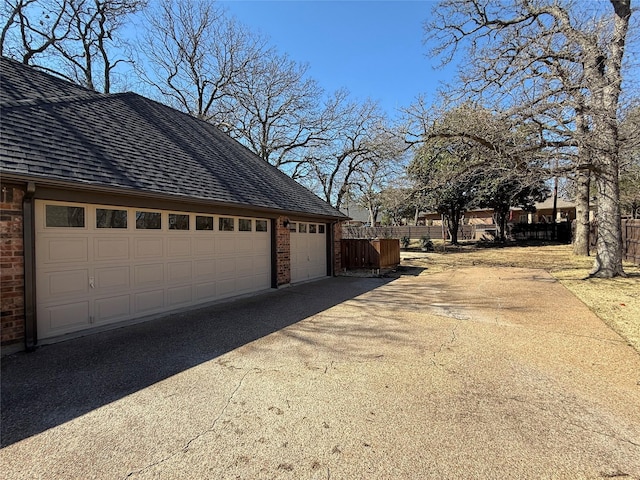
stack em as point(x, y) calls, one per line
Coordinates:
point(52, 129)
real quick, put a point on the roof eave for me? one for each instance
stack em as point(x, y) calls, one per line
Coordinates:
point(8, 177)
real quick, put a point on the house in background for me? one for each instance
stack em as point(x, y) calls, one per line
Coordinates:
point(358, 216)
point(117, 208)
point(482, 221)
point(565, 212)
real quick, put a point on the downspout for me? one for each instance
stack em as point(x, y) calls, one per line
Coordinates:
point(29, 243)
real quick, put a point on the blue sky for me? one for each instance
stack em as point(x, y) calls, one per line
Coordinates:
point(372, 48)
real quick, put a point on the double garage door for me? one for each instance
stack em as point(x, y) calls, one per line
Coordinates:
point(97, 264)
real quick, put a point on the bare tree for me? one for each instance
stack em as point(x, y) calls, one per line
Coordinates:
point(194, 53)
point(75, 39)
point(361, 137)
point(279, 112)
point(547, 53)
point(31, 27)
point(398, 203)
point(93, 49)
point(376, 177)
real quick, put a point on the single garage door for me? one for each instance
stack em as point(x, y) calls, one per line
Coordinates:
point(308, 251)
point(97, 264)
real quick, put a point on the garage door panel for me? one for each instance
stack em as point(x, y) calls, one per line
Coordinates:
point(245, 245)
point(114, 308)
point(112, 277)
point(262, 245)
point(148, 274)
point(65, 318)
point(225, 268)
point(179, 296)
point(260, 281)
point(204, 245)
point(205, 291)
point(225, 245)
point(244, 266)
point(205, 268)
point(111, 248)
point(179, 272)
point(63, 283)
point(226, 288)
point(64, 250)
point(148, 247)
point(261, 265)
point(179, 247)
point(245, 284)
point(317, 271)
point(148, 301)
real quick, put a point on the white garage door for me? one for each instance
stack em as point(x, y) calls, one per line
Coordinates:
point(97, 265)
point(308, 251)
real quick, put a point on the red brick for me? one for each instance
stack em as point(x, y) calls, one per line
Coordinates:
point(11, 265)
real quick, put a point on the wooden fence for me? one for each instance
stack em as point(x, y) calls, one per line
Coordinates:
point(560, 232)
point(555, 232)
point(374, 254)
point(466, 232)
point(630, 239)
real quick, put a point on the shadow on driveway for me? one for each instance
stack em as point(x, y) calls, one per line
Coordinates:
point(60, 382)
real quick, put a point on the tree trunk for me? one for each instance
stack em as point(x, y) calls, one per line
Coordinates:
point(581, 236)
point(605, 75)
point(500, 219)
point(454, 224)
point(608, 261)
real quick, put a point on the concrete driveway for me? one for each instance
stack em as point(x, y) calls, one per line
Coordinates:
point(474, 373)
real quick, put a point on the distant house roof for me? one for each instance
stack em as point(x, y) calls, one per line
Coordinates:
point(52, 130)
point(561, 203)
point(357, 213)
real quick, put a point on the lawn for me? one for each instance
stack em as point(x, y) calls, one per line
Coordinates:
point(616, 301)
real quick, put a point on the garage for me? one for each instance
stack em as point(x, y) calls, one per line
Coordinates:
point(308, 251)
point(118, 209)
point(98, 265)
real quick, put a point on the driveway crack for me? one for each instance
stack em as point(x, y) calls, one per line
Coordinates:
point(446, 344)
point(186, 446)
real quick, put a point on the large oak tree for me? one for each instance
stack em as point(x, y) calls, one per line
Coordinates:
point(555, 63)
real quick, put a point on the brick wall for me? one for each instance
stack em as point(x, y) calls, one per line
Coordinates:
point(283, 251)
point(337, 250)
point(11, 266)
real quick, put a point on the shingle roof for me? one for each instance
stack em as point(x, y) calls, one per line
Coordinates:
point(54, 130)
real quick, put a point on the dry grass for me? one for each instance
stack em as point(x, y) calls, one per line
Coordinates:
point(616, 301)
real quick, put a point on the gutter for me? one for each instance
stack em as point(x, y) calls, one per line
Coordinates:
point(29, 246)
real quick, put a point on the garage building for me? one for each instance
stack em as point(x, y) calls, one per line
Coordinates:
point(117, 208)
